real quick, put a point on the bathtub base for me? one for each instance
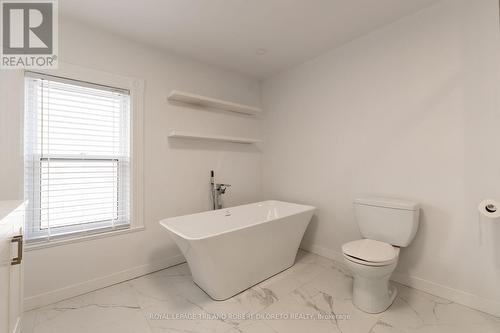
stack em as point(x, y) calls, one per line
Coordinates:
point(228, 265)
point(241, 291)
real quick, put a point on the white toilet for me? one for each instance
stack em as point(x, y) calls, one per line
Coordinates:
point(386, 225)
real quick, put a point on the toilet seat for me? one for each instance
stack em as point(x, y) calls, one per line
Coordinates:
point(370, 252)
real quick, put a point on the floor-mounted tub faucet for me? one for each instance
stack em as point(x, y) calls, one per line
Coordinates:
point(217, 189)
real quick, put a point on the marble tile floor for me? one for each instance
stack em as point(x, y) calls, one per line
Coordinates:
point(312, 296)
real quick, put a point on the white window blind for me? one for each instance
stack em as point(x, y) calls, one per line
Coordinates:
point(77, 157)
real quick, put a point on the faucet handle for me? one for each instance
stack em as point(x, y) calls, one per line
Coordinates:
point(221, 188)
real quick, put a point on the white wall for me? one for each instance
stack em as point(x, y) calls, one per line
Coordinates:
point(176, 173)
point(411, 110)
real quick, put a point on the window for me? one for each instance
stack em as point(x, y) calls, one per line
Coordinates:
point(77, 157)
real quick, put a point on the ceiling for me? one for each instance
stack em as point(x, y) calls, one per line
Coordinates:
point(254, 37)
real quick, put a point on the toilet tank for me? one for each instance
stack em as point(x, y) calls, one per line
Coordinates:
point(389, 220)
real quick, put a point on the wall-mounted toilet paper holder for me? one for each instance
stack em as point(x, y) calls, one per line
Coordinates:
point(490, 208)
point(488, 212)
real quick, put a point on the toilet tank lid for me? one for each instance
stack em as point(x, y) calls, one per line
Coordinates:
point(387, 202)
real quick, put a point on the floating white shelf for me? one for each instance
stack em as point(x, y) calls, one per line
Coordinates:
point(197, 136)
point(204, 101)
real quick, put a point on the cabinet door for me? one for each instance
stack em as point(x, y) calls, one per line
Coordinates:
point(11, 274)
point(5, 252)
point(16, 283)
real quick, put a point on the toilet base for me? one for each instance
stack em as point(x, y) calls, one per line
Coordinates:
point(373, 295)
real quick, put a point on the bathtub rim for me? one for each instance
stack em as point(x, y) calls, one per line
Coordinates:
point(307, 208)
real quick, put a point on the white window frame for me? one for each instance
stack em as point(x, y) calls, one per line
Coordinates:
point(136, 88)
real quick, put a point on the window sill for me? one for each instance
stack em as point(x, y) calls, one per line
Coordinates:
point(65, 241)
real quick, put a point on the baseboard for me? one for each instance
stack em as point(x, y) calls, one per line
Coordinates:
point(473, 301)
point(323, 251)
point(57, 295)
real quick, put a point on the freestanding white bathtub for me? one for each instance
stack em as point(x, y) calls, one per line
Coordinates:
point(231, 249)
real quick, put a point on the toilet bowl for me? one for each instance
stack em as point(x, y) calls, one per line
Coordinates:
point(386, 225)
point(371, 263)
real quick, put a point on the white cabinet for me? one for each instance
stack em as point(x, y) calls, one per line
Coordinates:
point(11, 265)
